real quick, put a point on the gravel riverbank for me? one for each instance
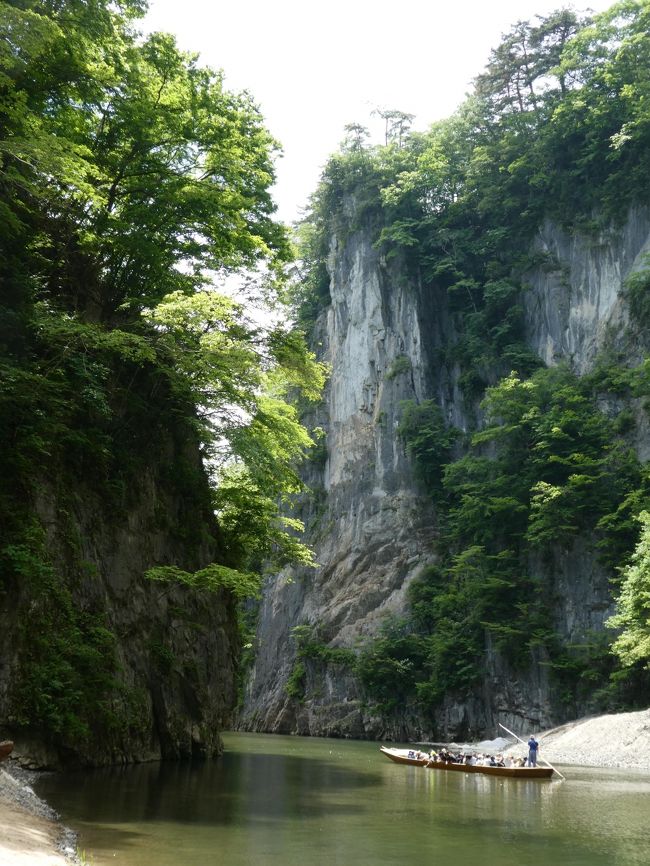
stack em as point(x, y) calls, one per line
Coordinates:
point(31, 833)
point(618, 740)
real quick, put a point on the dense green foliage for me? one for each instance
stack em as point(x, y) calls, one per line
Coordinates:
point(428, 440)
point(546, 469)
point(70, 665)
point(557, 128)
point(633, 614)
point(131, 185)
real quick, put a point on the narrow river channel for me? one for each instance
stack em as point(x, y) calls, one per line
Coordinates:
point(292, 801)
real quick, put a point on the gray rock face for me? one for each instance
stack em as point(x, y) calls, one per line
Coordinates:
point(373, 531)
point(374, 527)
point(575, 298)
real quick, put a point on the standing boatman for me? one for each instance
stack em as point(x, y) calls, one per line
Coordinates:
point(533, 746)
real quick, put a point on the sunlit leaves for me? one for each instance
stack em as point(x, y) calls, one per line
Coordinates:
point(132, 181)
point(211, 579)
point(146, 169)
point(633, 606)
point(239, 375)
point(255, 533)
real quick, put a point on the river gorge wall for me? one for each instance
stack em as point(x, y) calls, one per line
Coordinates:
point(98, 664)
point(371, 524)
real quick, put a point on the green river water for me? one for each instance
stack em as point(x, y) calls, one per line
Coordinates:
point(293, 801)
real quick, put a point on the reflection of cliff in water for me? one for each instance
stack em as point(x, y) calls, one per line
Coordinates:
point(291, 801)
point(239, 787)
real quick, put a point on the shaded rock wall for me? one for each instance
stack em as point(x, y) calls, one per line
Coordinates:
point(174, 681)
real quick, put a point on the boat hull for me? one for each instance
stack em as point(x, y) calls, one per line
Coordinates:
point(400, 756)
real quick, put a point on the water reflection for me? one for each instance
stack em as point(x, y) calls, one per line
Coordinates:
point(284, 801)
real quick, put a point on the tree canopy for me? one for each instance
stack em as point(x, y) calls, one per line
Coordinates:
point(633, 607)
point(131, 183)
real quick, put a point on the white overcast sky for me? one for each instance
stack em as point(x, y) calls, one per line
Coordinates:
point(314, 66)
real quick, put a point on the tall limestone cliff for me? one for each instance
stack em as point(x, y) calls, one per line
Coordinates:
point(371, 523)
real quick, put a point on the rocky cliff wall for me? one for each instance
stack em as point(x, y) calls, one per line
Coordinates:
point(373, 528)
point(575, 301)
point(169, 652)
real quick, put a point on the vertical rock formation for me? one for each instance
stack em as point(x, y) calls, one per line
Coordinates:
point(371, 525)
point(575, 300)
point(99, 665)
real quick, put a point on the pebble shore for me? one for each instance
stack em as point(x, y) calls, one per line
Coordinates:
point(619, 740)
point(18, 800)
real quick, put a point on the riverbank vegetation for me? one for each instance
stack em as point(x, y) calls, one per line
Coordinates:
point(557, 129)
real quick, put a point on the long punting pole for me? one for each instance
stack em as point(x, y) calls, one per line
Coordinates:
point(512, 734)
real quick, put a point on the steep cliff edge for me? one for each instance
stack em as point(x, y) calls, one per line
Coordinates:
point(370, 526)
point(99, 665)
point(575, 303)
point(374, 528)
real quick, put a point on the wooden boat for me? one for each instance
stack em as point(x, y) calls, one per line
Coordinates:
point(408, 756)
point(403, 756)
point(6, 748)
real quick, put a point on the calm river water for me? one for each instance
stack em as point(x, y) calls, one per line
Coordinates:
point(292, 801)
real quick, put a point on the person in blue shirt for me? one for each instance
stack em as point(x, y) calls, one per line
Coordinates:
point(533, 746)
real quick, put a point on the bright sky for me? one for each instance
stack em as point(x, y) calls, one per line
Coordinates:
point(314, 66)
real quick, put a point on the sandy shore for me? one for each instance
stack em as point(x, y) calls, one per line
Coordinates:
point(32, 835)
point(30, 831)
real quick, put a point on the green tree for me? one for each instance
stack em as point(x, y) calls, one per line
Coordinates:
point(428, 440)
point(138, 134)
point(132, 184)
point(396, 124)
point(632, 616)
point(131, 177)
point(355, 139)
point(522, 71)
